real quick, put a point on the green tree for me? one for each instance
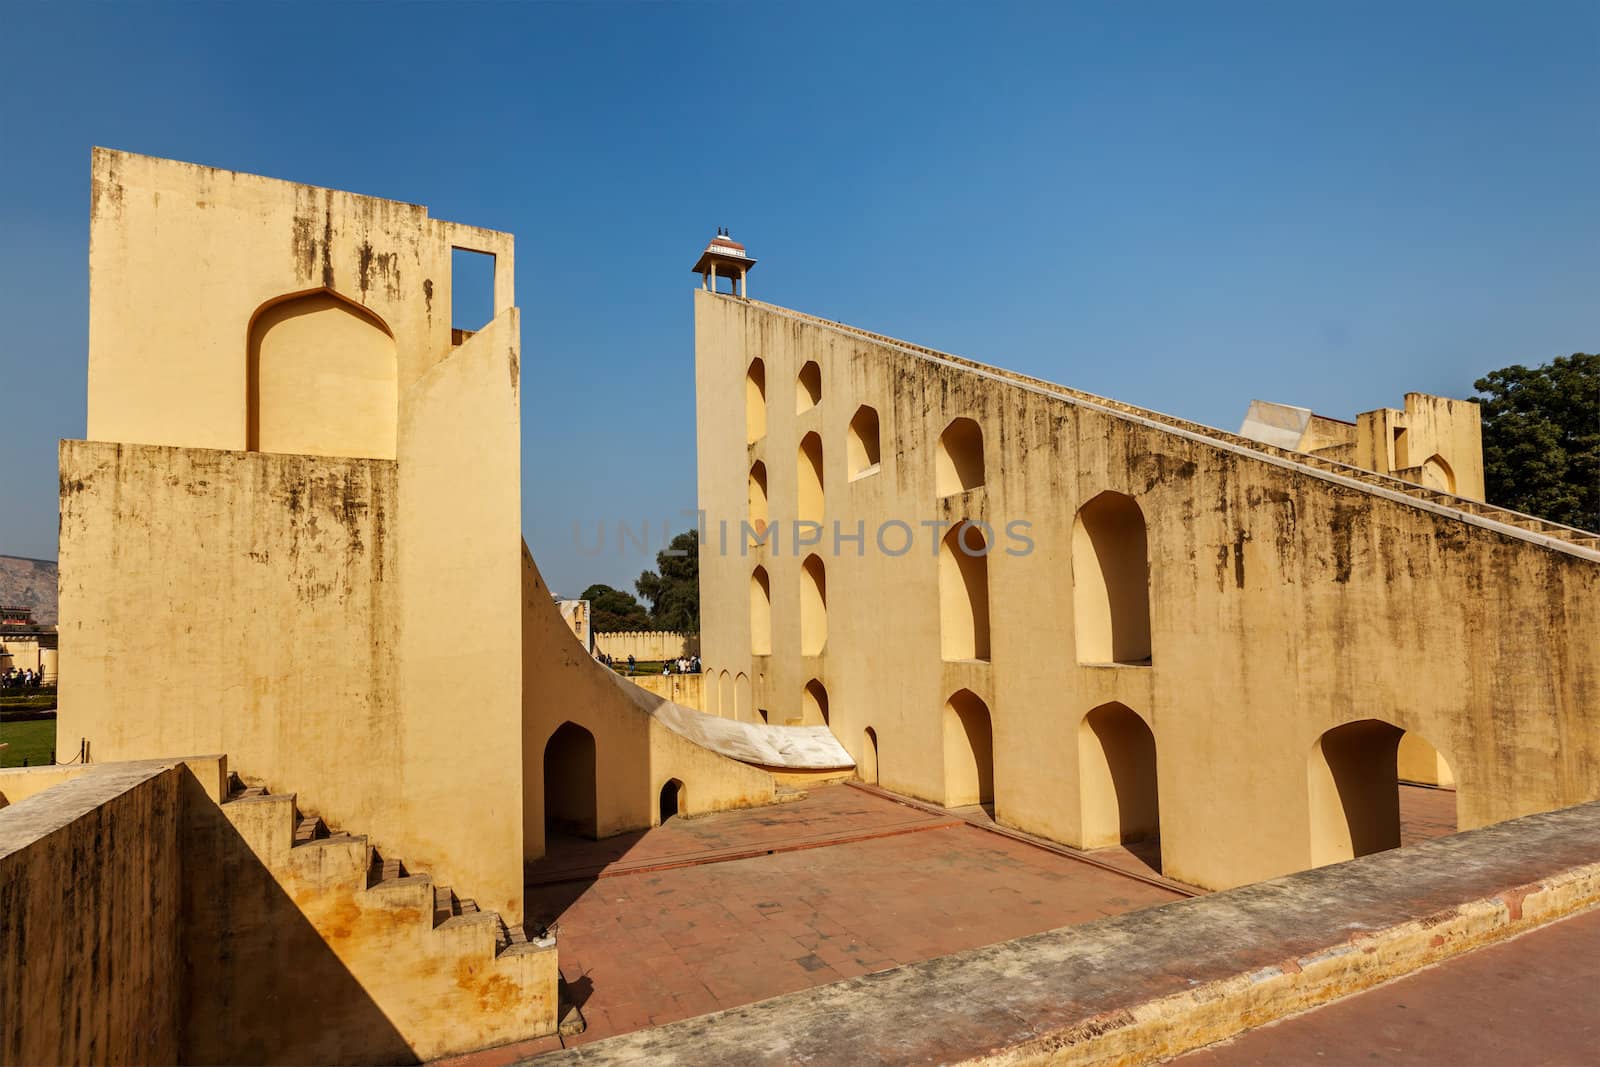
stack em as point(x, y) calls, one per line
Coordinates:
point(612, 610)
point(673, 588)
point(1541, 439)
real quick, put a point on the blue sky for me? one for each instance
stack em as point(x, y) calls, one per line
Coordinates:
point(1180, 205)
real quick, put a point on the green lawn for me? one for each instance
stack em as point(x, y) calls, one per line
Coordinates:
point(31, 740)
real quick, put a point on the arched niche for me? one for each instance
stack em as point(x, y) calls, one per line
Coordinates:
point(1119, 801)
point(1111, 582)
point(814, 704)
point(808, 388)
point(862, 456)
point(968, 751)
point(570, 800)
point(813, 606)
point(760, 613)
point(322, 378)
point(809, 462)
point(958, 465)
point(964, 594)
point(755, 402)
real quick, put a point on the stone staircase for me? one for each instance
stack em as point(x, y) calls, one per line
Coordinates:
point(426, 971)
point(1558, 536)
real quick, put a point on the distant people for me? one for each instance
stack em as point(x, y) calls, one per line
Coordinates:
point(632, 663)
point(666, 668)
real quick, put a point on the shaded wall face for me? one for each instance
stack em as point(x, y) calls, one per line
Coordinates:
point(99, 981)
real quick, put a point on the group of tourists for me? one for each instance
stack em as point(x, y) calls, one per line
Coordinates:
point(27, 678)
point(681, 665)
point(684, 665)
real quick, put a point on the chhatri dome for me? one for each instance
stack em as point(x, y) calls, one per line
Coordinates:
point(724, 256)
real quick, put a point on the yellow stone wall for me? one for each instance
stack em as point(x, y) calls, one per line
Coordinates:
point(296, 601)
point(1281, 604)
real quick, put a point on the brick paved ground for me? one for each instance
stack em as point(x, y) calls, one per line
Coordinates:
point(1529, 1002)
point(1426, 813)
point(694, 916)
point(641, 949)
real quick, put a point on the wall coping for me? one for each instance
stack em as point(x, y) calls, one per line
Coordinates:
point(1149, 984)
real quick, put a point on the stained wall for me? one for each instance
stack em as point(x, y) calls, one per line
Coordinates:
point(1282, 603)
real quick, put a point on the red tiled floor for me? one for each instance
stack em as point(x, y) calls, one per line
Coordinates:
point(827, 813)
point(641, 949)
point(1425, 813)
point(1529, 1002)
point(696, 916)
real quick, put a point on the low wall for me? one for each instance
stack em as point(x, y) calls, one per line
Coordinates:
point(1148, 985)
point(647, 644)
point(98, 981)
point(686, 689)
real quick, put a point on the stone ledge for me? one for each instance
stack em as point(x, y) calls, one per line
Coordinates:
point(1150, 984)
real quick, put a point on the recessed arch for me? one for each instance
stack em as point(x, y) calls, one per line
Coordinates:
point(1119, 801)
point(725, 706)
point(968, 751)
point(758, 497)
point(867, 769)
point(742, 698)
point(814, 704)
point(808, 387)
point(322, 378)
point(1111, 582)
point(1353, 773)
point(809, 461)
point(755, 402)
point(760, 613)
point(813, 606)
point(964, 593)
point(1436, 474)
point(959, 463)
point(671, 799)
point(862, 455)
point(570, 804)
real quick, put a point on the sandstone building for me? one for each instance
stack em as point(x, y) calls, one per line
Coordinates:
point(1148, 627)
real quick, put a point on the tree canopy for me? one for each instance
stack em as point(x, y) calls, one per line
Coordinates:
point(613, 610)
point(673, 588)
point(1541, 439)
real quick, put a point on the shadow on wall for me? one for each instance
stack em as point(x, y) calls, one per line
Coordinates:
point(260, 984)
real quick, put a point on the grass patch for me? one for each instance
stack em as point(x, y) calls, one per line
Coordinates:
point(33, 741)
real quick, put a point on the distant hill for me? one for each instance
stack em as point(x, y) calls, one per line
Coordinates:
point(30, 583)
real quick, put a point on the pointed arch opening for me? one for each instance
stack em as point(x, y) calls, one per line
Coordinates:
point(809, 504)
point(1436, 474)
point(755, 402)
point(867, 769)
point(1358, 800)
point(671, 800)
point(760, 613)
point(808, 388)
point(742, 701)
point(758, 497)
point(1111, 582)
point(959, 463)
point(725, 706)
point(322, 378)
point(968, 751)
point(813, 606)
point(964, 593)
point(814, 704)
point(1119, 802)
point(570, 805)
point(861, 447)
